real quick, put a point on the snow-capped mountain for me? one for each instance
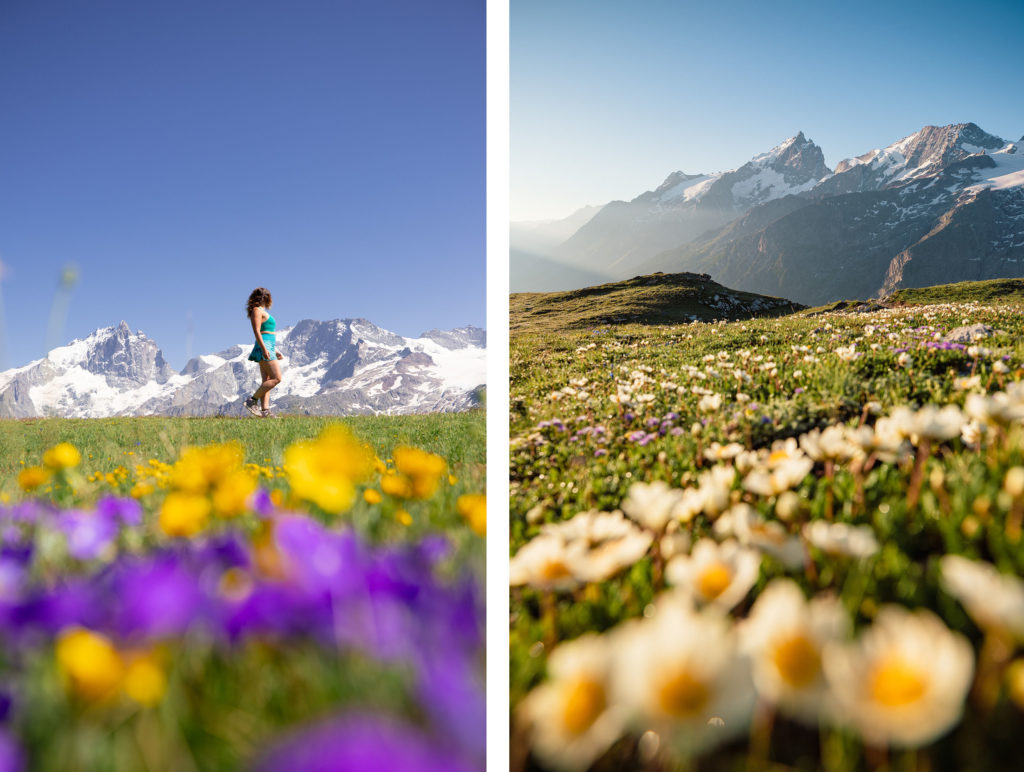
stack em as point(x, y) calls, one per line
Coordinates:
point(338, 367)
point(944, 204)
point(625, 233)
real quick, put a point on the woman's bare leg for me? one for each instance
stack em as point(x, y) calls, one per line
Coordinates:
point(271, 373)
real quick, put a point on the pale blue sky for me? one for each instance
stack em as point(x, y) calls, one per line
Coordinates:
point(182, 153)
point(607, 98)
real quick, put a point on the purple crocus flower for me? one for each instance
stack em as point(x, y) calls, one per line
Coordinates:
point(319, 560)
point(261, 503)
point(12, 759)
point(451, 689)
point(125, 511)
point(363, 742)
point(155, 598)
point(89, 534)
point(652, 422)
point(77, 602)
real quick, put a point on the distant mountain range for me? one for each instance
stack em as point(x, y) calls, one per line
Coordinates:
point(339, 367)
point(945, 204)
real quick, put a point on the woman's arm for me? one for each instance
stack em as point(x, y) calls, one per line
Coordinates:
point(256, 331)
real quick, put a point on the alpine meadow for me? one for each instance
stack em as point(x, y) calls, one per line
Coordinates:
point(770, 541)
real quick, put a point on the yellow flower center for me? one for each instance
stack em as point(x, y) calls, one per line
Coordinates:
point(554, 569)
point(797, 660)
point(585, 700)
point(713, 580)
point(896, 682)
point(683, 695)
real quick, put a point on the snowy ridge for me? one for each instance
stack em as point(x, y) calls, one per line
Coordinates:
point(335, 367)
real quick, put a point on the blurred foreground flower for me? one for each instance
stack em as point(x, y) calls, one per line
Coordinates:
point(325, 470)
point(473, 507)
point(903, 682)
point(62, 456)
point(361, 742)
point(571, 715)
point(785, 636)
point(419, 473)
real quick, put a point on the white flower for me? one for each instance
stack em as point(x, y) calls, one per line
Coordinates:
point(938, 423)
point(680, 675)
point(716, 489)
point(785, 637)
point(842, 539)
point(769, 536)
point(784, 476)
point(973, 432)
point(709, 403)
point(543, 563)
point(715, 574)
point(651, 504)
point(903, 682)
point(830, 444)
point(571, 715)
point(993, 599)
point(719, 452)
point(600, 544)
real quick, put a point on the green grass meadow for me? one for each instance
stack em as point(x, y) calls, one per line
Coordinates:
point(593, 412)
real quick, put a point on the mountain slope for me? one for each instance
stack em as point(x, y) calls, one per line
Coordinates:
point(654, 299)
point(625, 233)
point(337, 367)
point(945, 204)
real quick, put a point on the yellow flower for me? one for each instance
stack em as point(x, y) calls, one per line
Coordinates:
point(200, 468)
point(144, 680)
point(452, 479)
point(404, 517)
point(231, 496)
point(90, 663)
point(62, 456)
point(141, 489)
point(184, 514)
point(396, 485)
point(372, 496)
point(31, 477)
point(423, 470)
point(326, 470)
point(473, 507)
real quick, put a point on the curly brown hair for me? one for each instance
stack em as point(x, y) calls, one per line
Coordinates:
point(258, 297)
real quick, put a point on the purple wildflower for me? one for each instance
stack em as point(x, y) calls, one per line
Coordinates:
point(357, 741)
point(89, 534)
point(12, 759)
point(126, 511)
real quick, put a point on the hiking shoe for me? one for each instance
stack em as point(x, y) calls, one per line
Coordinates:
point(250, 405)
point(268, 414)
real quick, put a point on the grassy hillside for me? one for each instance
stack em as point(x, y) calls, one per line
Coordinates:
point(660, 298)
point(674, 487)
point(961, 292)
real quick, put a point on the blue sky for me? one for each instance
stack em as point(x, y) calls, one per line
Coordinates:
point(181, 154)
point(608, 98)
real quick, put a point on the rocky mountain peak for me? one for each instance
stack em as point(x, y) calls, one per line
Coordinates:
point(799, 157)
point(942, 145)
point(121, 355)
point(461, 337)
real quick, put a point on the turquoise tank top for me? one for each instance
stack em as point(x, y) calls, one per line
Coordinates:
point(269, 325)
